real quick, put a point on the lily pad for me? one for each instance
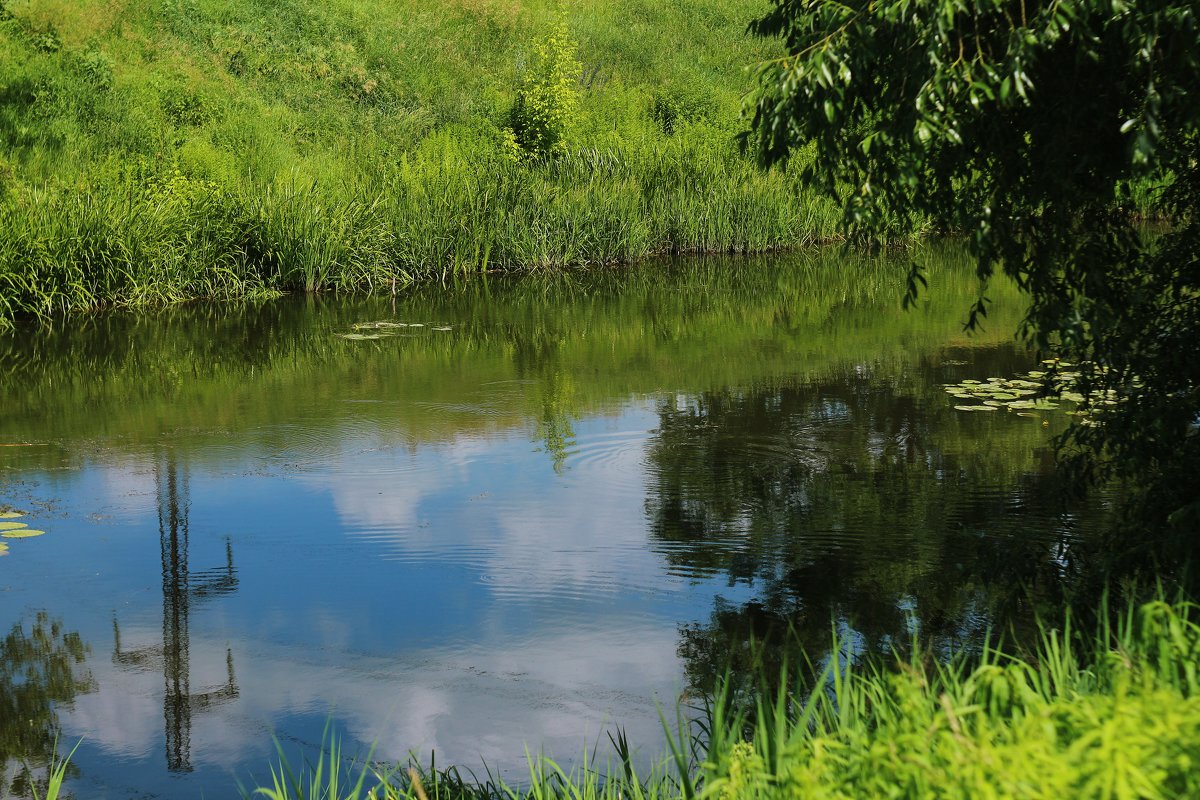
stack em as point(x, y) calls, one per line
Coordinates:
point(442, 328)
point(378, 325)
point(3, 549)
point(971, 383)
point(28, 533)
point(12, 526)
point(11, 514)
point(974, 408)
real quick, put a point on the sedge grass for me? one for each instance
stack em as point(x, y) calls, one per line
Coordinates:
point(1114, 714)
point(56, 775)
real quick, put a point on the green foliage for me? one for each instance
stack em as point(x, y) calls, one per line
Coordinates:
point(361, 144)
point(185, 106)
point(98, 67)
point(678, 105)
point(1032, 130)
point(56, 776)
point(543, 117)
point(141, 236)
point(1114, 714)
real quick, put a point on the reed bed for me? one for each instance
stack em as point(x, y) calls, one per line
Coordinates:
point(174, 238)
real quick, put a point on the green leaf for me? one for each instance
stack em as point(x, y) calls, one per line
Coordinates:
point(29, 533)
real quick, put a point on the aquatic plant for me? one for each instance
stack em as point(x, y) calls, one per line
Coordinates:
point(56, 775)
point(10, 529)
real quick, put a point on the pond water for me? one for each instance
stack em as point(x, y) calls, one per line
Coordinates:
point(522, 519)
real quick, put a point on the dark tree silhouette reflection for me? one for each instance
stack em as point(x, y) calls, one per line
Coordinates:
point(42, 667)
point(853, 502)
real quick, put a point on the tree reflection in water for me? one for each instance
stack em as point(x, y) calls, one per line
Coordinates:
point(42, 667)
point(848, 502)
point(181, 590)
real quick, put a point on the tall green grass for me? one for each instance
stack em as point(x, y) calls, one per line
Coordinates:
point(152, 152)
point(137, 241)
point(50, 787)
point(1111, 714)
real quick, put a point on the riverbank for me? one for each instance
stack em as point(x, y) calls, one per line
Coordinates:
point(173, 238)
point(158, 152)
point(1114, 714)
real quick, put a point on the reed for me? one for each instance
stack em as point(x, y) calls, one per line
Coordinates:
point(1114, 713)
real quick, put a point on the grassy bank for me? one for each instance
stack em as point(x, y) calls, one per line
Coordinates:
point(157, 151)
point(1114, 714)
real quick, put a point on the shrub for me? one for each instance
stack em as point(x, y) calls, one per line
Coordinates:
point(543, 115)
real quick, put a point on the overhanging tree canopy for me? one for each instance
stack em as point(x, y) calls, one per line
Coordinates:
point(1042, 131)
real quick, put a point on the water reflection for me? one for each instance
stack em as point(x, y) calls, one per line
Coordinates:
point(517, 531)
point(41, 667)
point(846, 501)
point(181, 590)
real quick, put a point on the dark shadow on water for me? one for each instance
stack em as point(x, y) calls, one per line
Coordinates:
point(42, 667)
point(854, 504)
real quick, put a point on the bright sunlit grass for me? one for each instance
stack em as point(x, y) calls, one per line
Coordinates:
point(152, 152)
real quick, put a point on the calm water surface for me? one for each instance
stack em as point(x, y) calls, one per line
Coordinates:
point(524, 530)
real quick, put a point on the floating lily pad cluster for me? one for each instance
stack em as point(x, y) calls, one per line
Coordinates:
point(10, 529)
point(363, 331)
point(1026, 395)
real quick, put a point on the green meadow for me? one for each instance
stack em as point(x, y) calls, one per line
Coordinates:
point(158, 151)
